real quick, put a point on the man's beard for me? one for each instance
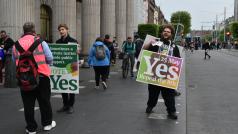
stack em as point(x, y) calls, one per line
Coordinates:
point(166, 40)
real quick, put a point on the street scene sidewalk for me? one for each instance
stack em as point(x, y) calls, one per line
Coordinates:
point(119, 109)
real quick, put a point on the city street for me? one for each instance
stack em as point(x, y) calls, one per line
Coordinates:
point(210, 98)
point(212, 92)
point(118, 110)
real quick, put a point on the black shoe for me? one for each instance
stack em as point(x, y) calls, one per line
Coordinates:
point(177, 93)
point(173, 116)
point(70, 110)
point(149, 110)
point(63, 109)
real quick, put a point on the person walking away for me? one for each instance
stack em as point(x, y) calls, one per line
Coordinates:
point(109, 45)
point(10, 67)
point(206, 48)
point(107, 41)
point(129, 48)
point(41, 57)
point(139, 43)
point(99, 58)
point(168, 94)
point(68, 98)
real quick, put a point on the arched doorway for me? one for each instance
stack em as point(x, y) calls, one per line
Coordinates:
point(46, 23)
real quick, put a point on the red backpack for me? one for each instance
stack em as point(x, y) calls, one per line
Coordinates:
point(27, 69)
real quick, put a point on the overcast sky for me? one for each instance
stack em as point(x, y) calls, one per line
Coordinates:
point(201, 10)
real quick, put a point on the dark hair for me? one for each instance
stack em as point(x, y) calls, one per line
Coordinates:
point(29, 27)
point(63, 25)
point(99, 39)
point(169, 27)
point(107, 36)
point(3, 31)
point(136, 36)
point(129, 37)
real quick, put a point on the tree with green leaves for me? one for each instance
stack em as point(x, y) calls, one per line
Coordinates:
point(234, 30)
point(184, 18)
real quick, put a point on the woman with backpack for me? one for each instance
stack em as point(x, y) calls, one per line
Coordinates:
point(99, 58)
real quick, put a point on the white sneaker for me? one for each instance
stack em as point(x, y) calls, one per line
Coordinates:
point(104, 85)
point(30, 132)
point(96, 87)
point(49, 127)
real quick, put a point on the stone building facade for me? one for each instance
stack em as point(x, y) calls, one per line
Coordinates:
point(87, 19)
point(236, 10)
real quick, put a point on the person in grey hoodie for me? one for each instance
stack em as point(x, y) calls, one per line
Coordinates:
point(99, 59)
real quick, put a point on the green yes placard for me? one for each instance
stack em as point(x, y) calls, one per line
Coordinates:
point(158, 69)
point(65, 71)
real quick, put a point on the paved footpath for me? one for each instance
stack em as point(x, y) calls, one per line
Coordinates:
point(118, 110)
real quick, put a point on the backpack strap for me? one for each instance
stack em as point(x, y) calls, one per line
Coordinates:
point(18, 47)
point(35, 45)
point(31, 49)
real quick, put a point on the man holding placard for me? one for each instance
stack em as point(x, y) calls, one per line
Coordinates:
point(161, 71)
point(68, 98)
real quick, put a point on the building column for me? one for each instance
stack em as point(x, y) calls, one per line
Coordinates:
point(108, 17)
point(79, 22)
point(37, 16)
point(130, 18)
point(91, 23)
point(121, 21)
point(15, 14)
point(64, 11)
point(236, 10)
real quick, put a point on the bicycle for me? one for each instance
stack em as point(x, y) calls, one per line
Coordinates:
point(125, 65)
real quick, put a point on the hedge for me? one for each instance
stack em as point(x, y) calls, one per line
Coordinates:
point(151, 29)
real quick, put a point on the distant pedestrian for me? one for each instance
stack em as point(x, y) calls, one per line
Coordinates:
point(107, 41)
point(1, 64)
point(129, 50)
point(207, 48)
point(116, 50)
point(42, 57)
point(68, 98)
point(138, 45)
point(99, 59)
point(10, 67)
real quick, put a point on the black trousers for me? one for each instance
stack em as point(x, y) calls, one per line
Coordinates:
point(101, 72)
point(167, 94)
point(42, 93)
point(206, 54)
point(68, 99)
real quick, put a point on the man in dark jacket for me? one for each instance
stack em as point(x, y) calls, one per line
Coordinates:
point(168, 94)
point(109, 45)
point(68, 98)
point(10, 67)
point(6, 40)
point(139, 43)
